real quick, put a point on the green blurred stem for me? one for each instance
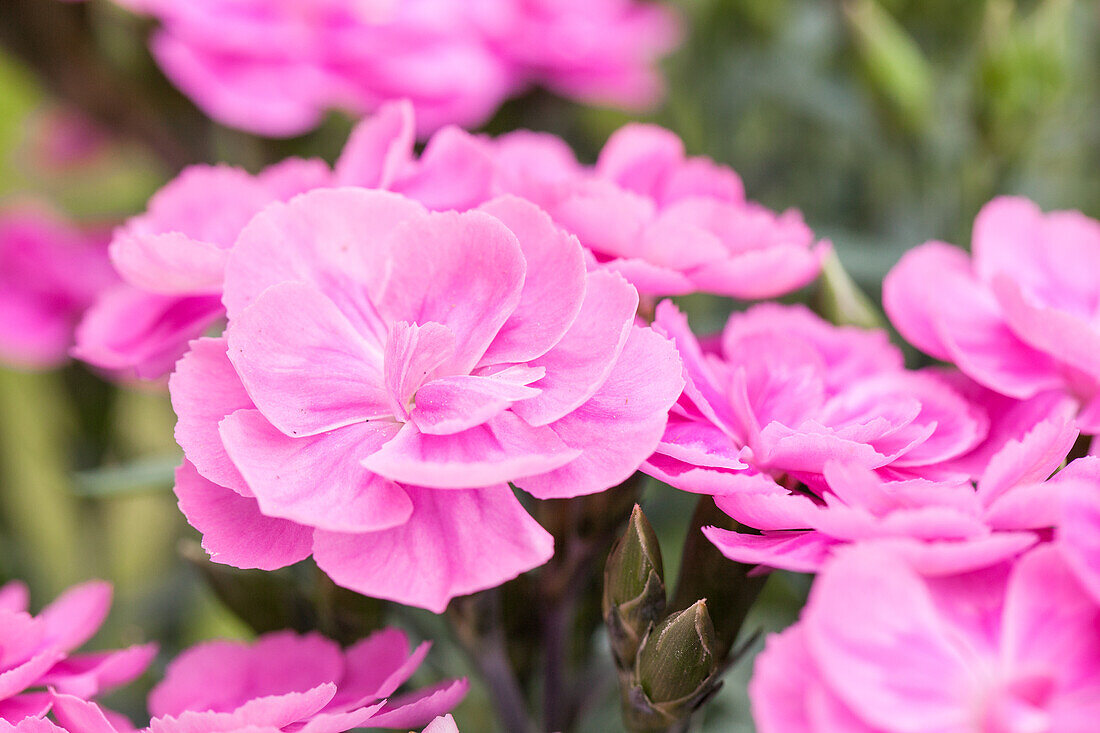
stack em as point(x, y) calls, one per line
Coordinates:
point(42, 514)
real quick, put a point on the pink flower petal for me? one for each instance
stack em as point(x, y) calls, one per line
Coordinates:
point(553, 289)
point(580, 363)
point(378, 148)
point(234, 531)
point(304, 364)
point(802, 552)
point(620, 425)
point(316, 480)
point(456, 542)
point(502, 449)
point(464, 271)
point(453, 404)
point(169, 263)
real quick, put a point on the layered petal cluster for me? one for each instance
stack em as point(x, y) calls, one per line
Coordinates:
point(1078, 532)
point(941, 528)
point(281, 682)
point(1022, 315)
point(879, 649)
point(50, 272)
point(388, 370)
point(274, 67)
point(36, 652)
point(669, 223)
point(781, 393)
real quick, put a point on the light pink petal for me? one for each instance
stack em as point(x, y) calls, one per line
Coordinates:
point(945, 558)
point(1050, 622)
point(378, 148)
point(129, 329)
point(259, 714)
point(553, 289)
point(455, 172)
point(1079, 534)
point(878, 638)
point(638, 157)
point(456, 542)
point(234, 531)
point(16, 679)
point(464, 271)
point(77, 714)
point(802, 552)
point(651, 279)
point(620, 425)
point(767, 506)
point(14, 596)
point(336, 239)
point(417, 708)
point(169, 263)
point(376, 666)
point(221, 676)
point(1030, 459)
point(414, 354)
point(782, 675)
point(808, 448)
point(763, 273)
point(453, 404)
point(699, 443)
point(289, 177)
point(1065, 336)
point(580, 363)
point(317, 480)
point(697, 479)
point(304, 364)
point(502, 449)
point(205, 389)
point(445, 724)
point(75, 615)
point(87, 675)
point(913, 293)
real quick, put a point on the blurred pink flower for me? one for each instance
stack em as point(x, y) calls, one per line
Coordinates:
point(1021, 316)
point(445, 724)
point(287, 681)
point(274, 67)
point(669, 223)
point(50, 272)
point(881, 650)
point(1078, 533)
point(782, 392)
point(387, 371)
point(36, 651)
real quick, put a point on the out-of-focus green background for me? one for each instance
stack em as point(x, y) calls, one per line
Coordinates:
point(887, 122)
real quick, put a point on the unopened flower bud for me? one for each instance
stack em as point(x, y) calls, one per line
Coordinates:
point(634, 588)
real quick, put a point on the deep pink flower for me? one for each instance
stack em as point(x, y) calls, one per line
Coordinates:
point(49, 274)
point(669, 223)
point(275, 66)
point(941, 527)
point(1020, 317)
point(36, 652)
point(881, 650)
point(782, 392)
point(387, 371)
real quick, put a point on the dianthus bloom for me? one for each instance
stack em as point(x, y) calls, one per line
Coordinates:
point(669, 223)
point(281, 682)
point(36, 651)
point(881, 650)
point(1019, 316)
point(782, 392)
point(274, 67)
point(387, 371)
point(50, 272)
point(940, 527)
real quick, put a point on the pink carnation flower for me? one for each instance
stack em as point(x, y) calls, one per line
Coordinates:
point(281, 682)
point(275, 66)
point(36, 652)
point(669, 223)
point(782, 392)
point(49, 274)
point(881, 650)
point(1020, 317)
point(387, 371)
point(1078, 533)
point(940, 527)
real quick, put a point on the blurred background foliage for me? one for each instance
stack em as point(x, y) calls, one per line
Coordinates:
point(887, 122)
